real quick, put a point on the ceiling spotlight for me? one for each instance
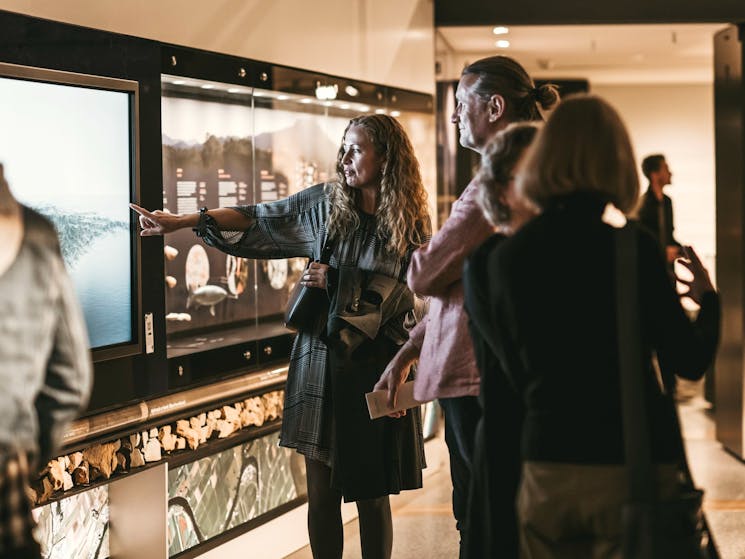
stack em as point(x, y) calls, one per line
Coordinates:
point(502, 43)
point(235, 90)
point(364, 108)
point(396, 113)
point(500, 30)
point(351, 91)
point(306, 101)
point(208, 86)
point(283, 97)
point(379, 111)
point(178, 82)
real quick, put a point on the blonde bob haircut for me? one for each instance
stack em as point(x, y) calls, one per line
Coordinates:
point(583, 146)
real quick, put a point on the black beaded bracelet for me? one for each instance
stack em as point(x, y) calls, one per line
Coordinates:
point(205, 220)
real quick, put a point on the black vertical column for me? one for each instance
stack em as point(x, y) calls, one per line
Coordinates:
point(729, 103)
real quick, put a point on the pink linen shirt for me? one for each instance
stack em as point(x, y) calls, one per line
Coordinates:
point(447, 364)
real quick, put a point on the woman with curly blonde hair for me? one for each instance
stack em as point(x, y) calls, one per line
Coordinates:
point(372, 218)
point(402, 209)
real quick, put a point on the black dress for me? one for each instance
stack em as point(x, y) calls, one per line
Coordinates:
point(492, 520)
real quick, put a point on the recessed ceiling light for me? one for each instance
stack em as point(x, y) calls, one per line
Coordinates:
point(500, 30)
point(396, 113)
point(208, 86)
point(283, 97)
point(259, 94)
point(235, 90)
point(178, 82)
point(502, 44)
point(306, 100)
point(364, 108)
point(352, 91)
point(379, 111)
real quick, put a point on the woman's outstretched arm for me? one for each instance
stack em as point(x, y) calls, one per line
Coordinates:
point(159, 222)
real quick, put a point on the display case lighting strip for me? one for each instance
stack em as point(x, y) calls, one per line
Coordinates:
point(198, 84)
point(150, 410)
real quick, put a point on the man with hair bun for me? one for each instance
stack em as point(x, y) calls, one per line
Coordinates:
point(492, 93)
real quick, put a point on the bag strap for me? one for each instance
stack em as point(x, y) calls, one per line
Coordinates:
point(635, 433)
point(327, 250)
point(633, 395)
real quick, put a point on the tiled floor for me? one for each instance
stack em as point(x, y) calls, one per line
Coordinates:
point(721, 475)
point(424, 527)
point(423, 524)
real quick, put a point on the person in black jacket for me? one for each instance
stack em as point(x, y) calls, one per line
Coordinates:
point(492, 521)
point(544, 302)
point(655, 210)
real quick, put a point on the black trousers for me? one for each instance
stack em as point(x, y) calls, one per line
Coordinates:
point(461, 416)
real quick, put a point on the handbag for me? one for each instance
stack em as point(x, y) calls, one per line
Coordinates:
point(652, 528)
point(307, 306)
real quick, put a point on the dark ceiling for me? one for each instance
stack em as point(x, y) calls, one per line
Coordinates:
point(558, 12)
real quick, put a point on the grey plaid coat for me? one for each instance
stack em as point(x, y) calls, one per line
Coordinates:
point(296, 227)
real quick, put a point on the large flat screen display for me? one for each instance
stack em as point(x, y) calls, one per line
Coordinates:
point(69, 149)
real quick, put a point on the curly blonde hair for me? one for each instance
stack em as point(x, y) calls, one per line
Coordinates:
point(402, 217)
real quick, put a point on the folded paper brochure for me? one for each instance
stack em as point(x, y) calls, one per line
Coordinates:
point(377, 401)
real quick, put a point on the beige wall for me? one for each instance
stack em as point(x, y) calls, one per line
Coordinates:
point(383, 41)
point(678, 121)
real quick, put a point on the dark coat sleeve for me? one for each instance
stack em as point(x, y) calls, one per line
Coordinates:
point(683, 347)
point(492, 530)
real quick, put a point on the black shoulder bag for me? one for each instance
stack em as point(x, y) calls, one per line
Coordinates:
point(652, 528)
point(307, 306)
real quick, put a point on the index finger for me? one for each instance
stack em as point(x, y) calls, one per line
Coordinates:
point(140, 210)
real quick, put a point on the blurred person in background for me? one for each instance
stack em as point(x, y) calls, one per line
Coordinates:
point(655, 210)
point(45, 367)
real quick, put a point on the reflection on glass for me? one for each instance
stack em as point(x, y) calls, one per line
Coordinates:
point(225, 490)
point(77, 526)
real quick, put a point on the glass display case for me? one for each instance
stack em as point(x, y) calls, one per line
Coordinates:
point(225, 146)
point(227, 143)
